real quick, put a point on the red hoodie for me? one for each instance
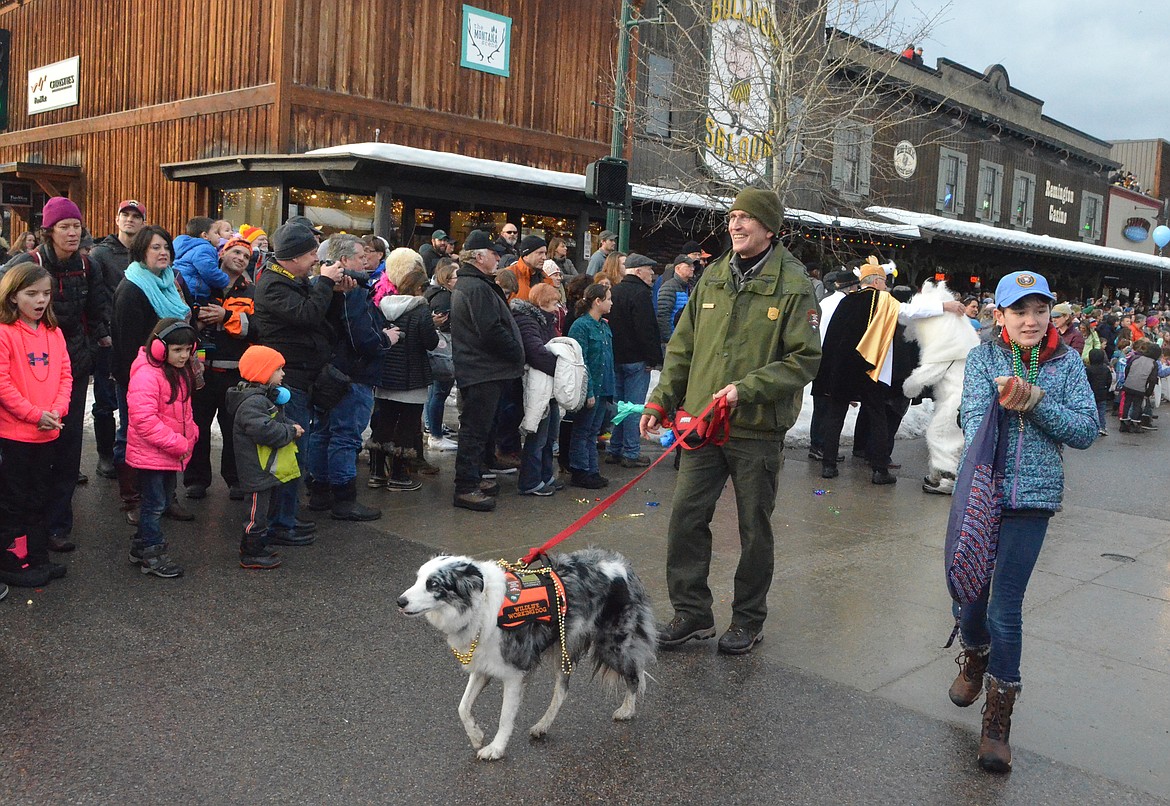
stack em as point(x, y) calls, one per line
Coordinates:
point(35, 377)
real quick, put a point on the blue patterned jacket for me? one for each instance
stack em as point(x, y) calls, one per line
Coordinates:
point(1066, 415)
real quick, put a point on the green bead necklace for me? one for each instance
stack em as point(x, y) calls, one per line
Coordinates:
point(1033, 368)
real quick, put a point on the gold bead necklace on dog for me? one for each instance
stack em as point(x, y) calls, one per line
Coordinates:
point(465, 657)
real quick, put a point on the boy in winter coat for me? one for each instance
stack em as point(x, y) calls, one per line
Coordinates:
point(1141, 376)
point(1100, 379)
point(266, 453)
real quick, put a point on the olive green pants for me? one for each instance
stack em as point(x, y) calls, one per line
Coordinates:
point(754, 468)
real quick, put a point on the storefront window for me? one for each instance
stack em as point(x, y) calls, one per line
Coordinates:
point(333, 211)
point(259, 207)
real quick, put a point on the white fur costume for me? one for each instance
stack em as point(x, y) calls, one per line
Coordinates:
point(944, 342)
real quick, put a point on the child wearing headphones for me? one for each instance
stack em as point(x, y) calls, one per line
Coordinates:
point(161, 435)
point(35, 383)
point(266, 454)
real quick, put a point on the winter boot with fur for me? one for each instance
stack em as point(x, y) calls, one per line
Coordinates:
point(379, 470)
point(995, 754)
point(968, 683)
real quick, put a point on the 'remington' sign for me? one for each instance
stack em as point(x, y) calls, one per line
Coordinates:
point(53, 86)
point(738, 137)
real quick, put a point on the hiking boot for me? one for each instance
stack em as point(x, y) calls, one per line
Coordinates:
point(829, 471)
point(738, 640)
point(968, 683)
point(177, 512)
point(505, 463)
point(613, 459)
point(683, 628)
point(476, 500)
point(54, 570)
point(155, 561)
point(882, 475)
point(488, 487)
point(995, 754)
point(60, 542)
point(346, 506)
point(640, 461)
point(320, 495)
point(196, 492)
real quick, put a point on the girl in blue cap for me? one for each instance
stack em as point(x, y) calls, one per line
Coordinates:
point(1042, 385)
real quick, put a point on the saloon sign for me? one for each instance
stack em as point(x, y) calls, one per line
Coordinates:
point(53, 86)
point(738, 137)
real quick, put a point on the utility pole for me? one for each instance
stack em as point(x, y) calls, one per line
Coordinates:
point(617, 219)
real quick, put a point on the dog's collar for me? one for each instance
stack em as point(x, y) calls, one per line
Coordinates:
point(465, 657)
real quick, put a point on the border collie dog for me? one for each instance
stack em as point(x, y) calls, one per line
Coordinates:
point(608, 612)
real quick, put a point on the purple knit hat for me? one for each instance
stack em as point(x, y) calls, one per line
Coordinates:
point(57, 209)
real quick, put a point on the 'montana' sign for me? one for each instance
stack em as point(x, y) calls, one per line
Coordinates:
point(738, 137)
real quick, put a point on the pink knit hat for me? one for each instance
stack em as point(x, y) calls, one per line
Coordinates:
point(58, 209)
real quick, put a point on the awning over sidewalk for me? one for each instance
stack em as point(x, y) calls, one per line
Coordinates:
point(1019, 241)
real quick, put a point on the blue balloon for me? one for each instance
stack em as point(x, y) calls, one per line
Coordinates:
point(1161, 235)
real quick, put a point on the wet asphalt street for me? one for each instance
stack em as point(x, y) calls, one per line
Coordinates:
point(304, 685)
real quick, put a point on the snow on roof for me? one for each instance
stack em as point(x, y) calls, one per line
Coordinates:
point(1016, 239)
point(476, 166)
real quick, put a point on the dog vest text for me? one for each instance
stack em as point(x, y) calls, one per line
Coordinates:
point(528, 597)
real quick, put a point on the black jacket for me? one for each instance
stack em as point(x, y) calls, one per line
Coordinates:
point(130, 325)
point(485, 340)
point(81, 303)
point(293, 315)
point(110, 257)
point(842, 374)
point(439, 298)
point(634, 323)
point(536, 329)
point(1100, 381)
point(360, 344)
point(430, 257)
point(406, 365)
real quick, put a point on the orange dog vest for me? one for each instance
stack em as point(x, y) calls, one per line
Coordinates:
point(529, 597)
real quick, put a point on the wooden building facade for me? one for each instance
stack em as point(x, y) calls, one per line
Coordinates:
point(176, 81)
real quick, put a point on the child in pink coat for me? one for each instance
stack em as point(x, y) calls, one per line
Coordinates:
point(35, 382)
point(161, 435)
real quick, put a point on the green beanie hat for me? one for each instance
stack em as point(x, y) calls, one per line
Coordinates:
point(762, 205)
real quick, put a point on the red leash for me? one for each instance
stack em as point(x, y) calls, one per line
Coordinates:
point(717, 432)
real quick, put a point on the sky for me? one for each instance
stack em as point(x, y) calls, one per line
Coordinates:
point(1101, 66)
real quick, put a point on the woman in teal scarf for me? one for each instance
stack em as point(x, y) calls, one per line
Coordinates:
point(149, 292)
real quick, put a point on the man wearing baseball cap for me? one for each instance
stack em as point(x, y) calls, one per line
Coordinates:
point(109, 260)
point(439, 247)
point(607, 241)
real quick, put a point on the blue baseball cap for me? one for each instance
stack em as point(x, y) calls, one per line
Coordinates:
point(1020, 284)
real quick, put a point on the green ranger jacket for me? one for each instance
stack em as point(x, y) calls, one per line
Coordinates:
point(762, 337)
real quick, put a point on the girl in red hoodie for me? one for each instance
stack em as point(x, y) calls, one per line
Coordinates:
point(161, 435)
point(35, 382)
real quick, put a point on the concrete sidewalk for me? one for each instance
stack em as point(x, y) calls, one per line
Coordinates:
point(304, 685)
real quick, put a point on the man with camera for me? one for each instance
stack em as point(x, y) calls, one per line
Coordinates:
point(292, 314)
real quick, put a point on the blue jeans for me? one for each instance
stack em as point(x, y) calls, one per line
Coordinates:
point(632, 382)
point(1101, 406)
point(336, 438)
point(299, 411)
point(583, 446)
point(536, 461)
point(433, 412)
point(123, 423)
point(997, 617)
point(157, 487)
point(105, 398)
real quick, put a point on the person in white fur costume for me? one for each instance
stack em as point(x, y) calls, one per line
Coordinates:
point(944, 342)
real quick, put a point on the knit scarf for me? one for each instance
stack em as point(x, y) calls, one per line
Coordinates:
point(160, 290)
point(1047, 345)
